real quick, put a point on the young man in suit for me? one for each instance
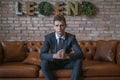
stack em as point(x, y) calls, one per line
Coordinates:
point(56, 51)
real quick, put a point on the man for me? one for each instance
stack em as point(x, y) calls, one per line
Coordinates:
point(56, 51)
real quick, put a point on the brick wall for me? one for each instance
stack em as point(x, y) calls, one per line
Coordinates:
point(104, 26)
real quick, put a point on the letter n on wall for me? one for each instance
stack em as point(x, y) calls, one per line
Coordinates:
point(70, 7)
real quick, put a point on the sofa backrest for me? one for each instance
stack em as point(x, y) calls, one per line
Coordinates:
point(34, 45)
point(99, 50)
point(88, 48)
point(16, 50)
point(1, 54)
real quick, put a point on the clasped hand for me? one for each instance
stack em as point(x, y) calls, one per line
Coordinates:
point(60, 55)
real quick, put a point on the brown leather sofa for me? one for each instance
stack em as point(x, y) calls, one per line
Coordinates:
point(101, 61)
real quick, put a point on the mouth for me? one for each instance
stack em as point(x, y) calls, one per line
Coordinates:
point(59, 31)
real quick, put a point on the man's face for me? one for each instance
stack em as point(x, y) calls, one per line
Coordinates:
point(59, 27)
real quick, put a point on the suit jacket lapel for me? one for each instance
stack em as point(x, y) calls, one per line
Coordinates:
point(66, 42)
point(54, 42)
point(53, 36)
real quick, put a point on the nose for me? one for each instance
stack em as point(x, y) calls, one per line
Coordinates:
point(59, 27)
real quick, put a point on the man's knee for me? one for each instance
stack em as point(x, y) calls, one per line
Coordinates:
point(44, 63)
point(78, 62)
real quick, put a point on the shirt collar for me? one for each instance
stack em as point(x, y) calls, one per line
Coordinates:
point(57, 37)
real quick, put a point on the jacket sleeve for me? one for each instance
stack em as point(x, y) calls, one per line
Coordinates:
point(78, 54)
point(45, 55)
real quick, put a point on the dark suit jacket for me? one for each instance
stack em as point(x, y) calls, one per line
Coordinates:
point(49, 47)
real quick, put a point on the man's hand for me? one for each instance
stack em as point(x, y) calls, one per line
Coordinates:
point(61, 55)
point(65, 56)
point(58, 55)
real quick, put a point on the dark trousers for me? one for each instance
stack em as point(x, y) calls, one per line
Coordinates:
point(49, 66)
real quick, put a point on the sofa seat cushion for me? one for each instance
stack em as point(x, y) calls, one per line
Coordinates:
point(91, 69)
point(100, 68)
point(17, 69)
point(59, 73)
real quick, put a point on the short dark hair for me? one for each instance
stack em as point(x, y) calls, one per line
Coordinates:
point(59, 18)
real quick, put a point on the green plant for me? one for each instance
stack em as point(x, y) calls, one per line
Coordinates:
point(45, 8)
point(87, 8)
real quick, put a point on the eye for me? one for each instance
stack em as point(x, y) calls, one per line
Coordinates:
point(61, 25)
point(56, 25)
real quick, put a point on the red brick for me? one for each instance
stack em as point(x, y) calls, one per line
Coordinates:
point(105, 25)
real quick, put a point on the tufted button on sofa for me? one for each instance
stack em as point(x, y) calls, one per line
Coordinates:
point(19, 60)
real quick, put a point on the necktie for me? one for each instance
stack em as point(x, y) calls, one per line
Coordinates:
point(60, 44)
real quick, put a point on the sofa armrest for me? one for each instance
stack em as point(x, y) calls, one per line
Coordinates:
point(1, 53)
point(118, 54)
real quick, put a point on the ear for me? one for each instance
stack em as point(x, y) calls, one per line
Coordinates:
point(65, 25)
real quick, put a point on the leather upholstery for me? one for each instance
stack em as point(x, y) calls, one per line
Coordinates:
point(34, 45)
point(118, 54)
point(13, 51)
point(92, 69)
point(106, 50)
point(17, 69)
point(88, 48)
point(1, 55)
point(99, 68)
